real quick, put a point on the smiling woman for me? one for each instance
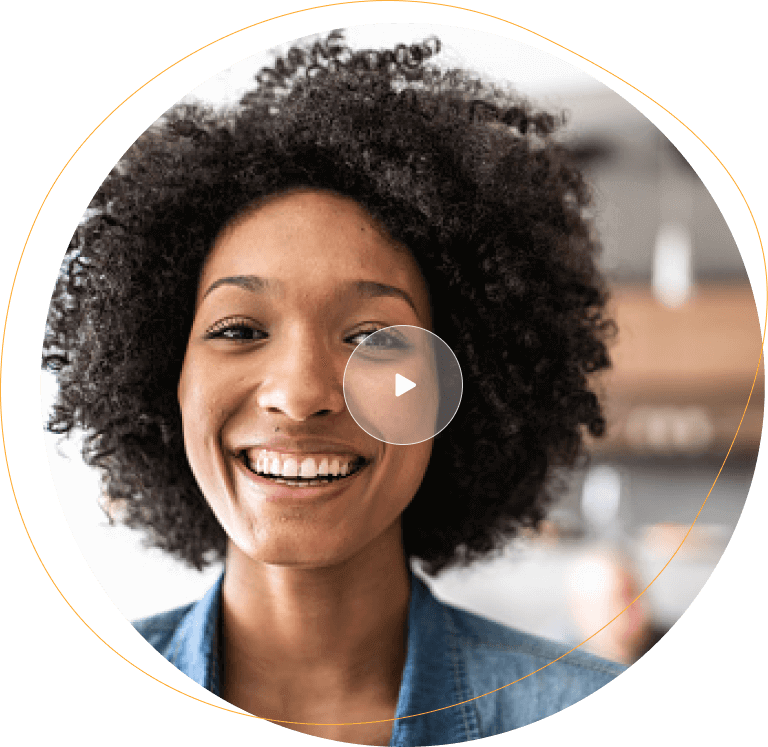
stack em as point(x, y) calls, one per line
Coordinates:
point(274, 412)
point(200, 329)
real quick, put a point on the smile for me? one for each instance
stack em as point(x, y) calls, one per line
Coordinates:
point(302, 470)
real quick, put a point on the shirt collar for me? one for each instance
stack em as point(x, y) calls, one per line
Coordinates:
point(194, 645)
point(434, 678)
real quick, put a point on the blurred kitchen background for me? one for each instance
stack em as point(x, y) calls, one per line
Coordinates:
point(684, 363)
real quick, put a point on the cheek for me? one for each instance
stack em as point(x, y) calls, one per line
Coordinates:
point(203, 404)
point(193, 421)
point(194, 399)
point(409, 464)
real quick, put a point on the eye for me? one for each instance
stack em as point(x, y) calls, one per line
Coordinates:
point(246, 330)
point(390, 340)
point(239, 329)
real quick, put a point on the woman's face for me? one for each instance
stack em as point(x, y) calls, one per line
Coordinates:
point(287, 293)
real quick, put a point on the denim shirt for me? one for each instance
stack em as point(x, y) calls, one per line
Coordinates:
point(455, 661)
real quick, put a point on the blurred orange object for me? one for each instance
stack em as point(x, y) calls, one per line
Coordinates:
point(665, 538)
point(599, 586)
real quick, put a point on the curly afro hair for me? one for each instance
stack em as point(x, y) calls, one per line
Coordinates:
point(463, 172)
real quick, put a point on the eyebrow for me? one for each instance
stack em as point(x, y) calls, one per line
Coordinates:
point(361, 288)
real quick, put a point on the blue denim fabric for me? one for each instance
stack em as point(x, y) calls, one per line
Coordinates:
point(452, 657)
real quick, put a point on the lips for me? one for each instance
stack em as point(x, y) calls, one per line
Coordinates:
point(298, 491)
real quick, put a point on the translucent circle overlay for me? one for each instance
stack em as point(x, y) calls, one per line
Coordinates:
point(403, 385)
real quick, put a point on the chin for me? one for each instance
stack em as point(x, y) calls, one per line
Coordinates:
point(293, 551)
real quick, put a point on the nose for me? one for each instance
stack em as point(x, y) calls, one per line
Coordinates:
point(303, 382)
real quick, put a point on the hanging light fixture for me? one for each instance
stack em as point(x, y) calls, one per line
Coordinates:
point(672, 275)
point(672, 269)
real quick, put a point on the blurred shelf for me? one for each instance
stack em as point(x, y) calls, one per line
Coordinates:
point(682, 376)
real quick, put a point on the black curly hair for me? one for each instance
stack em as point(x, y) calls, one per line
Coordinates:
point(463, 172)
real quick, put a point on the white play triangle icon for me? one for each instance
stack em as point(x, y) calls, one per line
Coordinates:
point(434, 374)
point(402, 385)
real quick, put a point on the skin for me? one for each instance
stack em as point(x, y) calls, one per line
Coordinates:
point(316, 589)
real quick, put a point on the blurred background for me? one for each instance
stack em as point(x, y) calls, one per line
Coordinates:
point(684, 363)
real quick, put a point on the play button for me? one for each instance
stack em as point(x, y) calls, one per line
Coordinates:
point(421, 366)
point(402, 385)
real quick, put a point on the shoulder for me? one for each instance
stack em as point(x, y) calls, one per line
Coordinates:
point(159, 630)
point(537, 677)
point(488, 638)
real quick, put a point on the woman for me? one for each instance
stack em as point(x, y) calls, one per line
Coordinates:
point(207, 308)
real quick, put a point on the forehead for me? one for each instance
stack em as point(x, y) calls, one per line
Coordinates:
point(311, 238)
point(306, 221)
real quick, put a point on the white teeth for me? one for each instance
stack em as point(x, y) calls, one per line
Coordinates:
point(290, 468)
point(308, 469)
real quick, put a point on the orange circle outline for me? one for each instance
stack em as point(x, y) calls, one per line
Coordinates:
point(245, 28)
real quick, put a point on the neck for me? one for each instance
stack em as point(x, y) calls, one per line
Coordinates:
point(306, 631)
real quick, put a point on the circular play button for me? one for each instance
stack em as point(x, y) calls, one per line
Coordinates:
point(402, 385)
